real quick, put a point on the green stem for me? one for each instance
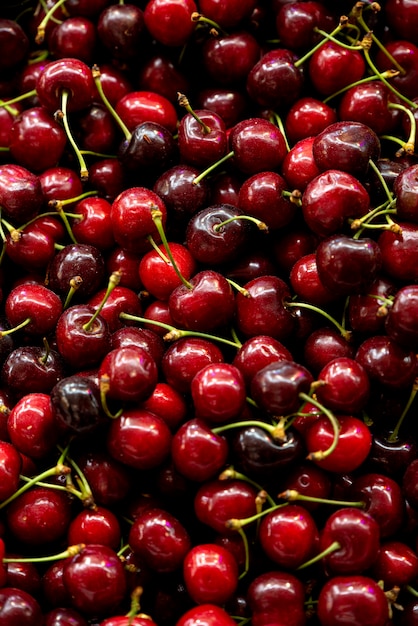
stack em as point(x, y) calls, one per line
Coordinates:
point(247, 553)
point(368, 79)
point(184, 102)
point(236, 524)
point(346, 334)
point(69, 552)
point(260, 225)
point(58, 470)
point(326, 36)
point(322, 454)
point(23, 96)
point(96, 77)
point(409, 146)
point(397, 93)
point(291, 495)
point(231, 474)
point(157, 219)
point(84, 173)
point(395, 433)
point(360, 20)
point(332, 548)
point(277, 434)
point(382, 181)
point(212, 167)
point(114, 280)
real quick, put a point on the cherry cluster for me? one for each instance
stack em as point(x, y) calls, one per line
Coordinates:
point(209, 313)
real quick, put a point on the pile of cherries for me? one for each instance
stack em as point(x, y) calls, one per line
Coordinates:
point(209, 313)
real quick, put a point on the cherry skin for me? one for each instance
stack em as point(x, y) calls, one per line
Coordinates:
point(400, 322)
point(229, 59)
point(157, 273)
point(264, 312)
point(345, 385)
point(139, 439)
point(98, 525)
point(288, 536)
point(387, 362)
point(369, 104)
point(66, 74)
point(258, 146)
point(161, 75)
point(197, 452)
point(19, 607)
point(218, 393)
point(10, 468)
point(31, 425)
point(227, 15)
point(34, 302)
point(93, 227)
point(299, 166)
point(275, 81)
point(59, 616)
point(39, 516)
point(277, 386)
point(218, 501)
point(95, 589)
point(399, 252)
point(365, 311)
point(169, 404)
point(269, 592)
point(406, 53)
point(307, 284)
point(131, 374)
point(14, 42)
point(21, 194)
point(308, 117)
point(344, 599)
point(121, 30)
point(295, 24)
point(406, 197)
point(324, 345)
point(32, 369)
point(84, 260)
point(181, 197)
point(261, 196)
point(333, 67)
point(404, 27)
point(354, 443)
point(75, 38)
point(310, 480)
point(200, 145)
point(141, 337)
point(206, 615)
point(330, 199)
point(33, 250)
point(210, 574)
point(121, 300)
point(137, 107)
point(358, 534)
point(76, 404)
point(170, 22)
point(159, 540)
point(110, 481)
point(257, 352)
point(396, 564)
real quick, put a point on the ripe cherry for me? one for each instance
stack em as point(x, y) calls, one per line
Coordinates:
point(210, 574)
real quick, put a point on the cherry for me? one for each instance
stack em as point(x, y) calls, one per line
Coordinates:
point(261, 457)
point(181, 197)
point(307, 284)
point(157, 273)
point(11, 465)
point(202, 137)
point(31, 425)
point(218, 393)
point(408, 485)
point(277, 386)
point(330, 199)
point(352, 597)
point(229, 104)
point(228, 59)
point(159, 540)
point(296, 23)
point(61, 616)
point(401, 321)
point(130, 374)
point(36, 303)
point(121, 30)
point(197, 452)
point(169, 22)
point(76, 38)
point(24, 576)
point(76, 404)
point(149, 151)
point(115, 83)
point(95, 589)
point(77, 259)
point(32, 369)
point(357, 534)
point(402, 25)
point(21, 195)
point(141, 337)
point(258, 145)
point(333, 67)
point(366, 312)
point(210, 574)
point(299, 166)
point(288, 535)
point(308, 480)
point(218, 501)
point(161, 75)
point(126, 264)
point(93, 227)
point(396, 564)
point(53, 588)
point(355, 263)
point(97, 129)
point(60, 183)
point(264, 312)
point(346, 146)
point(227, 15)
point(261, 196)
point(207, 615)
point(205, 304)
point(136, 107)
point(14, 42)
point(369, 104)
point(110, 481)
point(353, 446)
point(131, 217)
point(269, 592)
point(39, 516)
point(387, 362)
point(217, 234)
point(18, 607)
point(257, 352)
point(33, 249)
point(275, 81)
point(98, 525)
point(108, 177)
point(406, 197)
point(65, 75)
point(406, 54)
point(168, 403)
point(324, 345)
point(139, 439)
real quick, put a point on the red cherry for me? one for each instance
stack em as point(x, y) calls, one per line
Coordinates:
point(333, 67)
point(210, 574)
point(157, 273)
point(11, 465)
point(67, 74)
point(131, 374)
point(350, 598)
point(98, 525)
point(218, 501)
point(345, 385)
point(136, 107)
point(218, 393)
point(32, 427)
point(269, 592)
point(206, 615)
point(169, 22)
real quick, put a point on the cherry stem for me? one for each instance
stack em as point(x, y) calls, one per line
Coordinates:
point(322, 454)
point(58, 204)
point(75, 284)
point(86, 494)
point(231, 474)
point(175, 333)
point(58, 470)
point(114, 280)
point(368, 79)
point(68, 553)
point(397, 93)
point(104, 387)
point(409, 147)
point(395, 433)
point(62, 116)
point(40, 34)
point(198, 18)
point(343, 24)
point(22, 96)
point(412, 591)
point(157, 219)
point(335, 545)
point(358, 14)
point(277, 120)
point(346, 334)
point(158, 250)
point(382, 181)
point(183, 101)
point(44, 358)
point(212, 167)
point(236, 524)
point(260, 225)
point(290, 495)
point(96, 77)
point(15, 328)
point(244, 292)
point(275, 430)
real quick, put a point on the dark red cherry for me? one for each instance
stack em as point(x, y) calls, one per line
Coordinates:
point(299, 166)
point(396, 564)
point(207, 615)
point(269, 592)
point(406, 194)
point(383, 499)
point(121, 30)
point(406, 54)
point(77, 259)
point(229, 59)
point(351, 597)
point(324, 345)
point(401, 323)
point(97, 525)
point(161, 75)
point(32, 369)
point(110, 481)
point(308, 117)
point(21, 195)
point(296, 24)
point(276, 387)
point(76, 404)
point(403, 24)
point(227, 15)
point(275, 81)
point(137, 107)
point(31, 425)
point(345, 385)
point(149, 152)
point(202, 141)
point(180, 195)
point(261, 196)
point(14, 43)
point(36, 303)
point(95, 589)
point(369, 104)
point(218, 393)
point(75, 37)
point(333, 67)
point(386, 362)
point(70, 75)
point(19, 608)
point(257, 352)
point(258, 145)
point(11, 465)
point(159, 540)
point(130, 372)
